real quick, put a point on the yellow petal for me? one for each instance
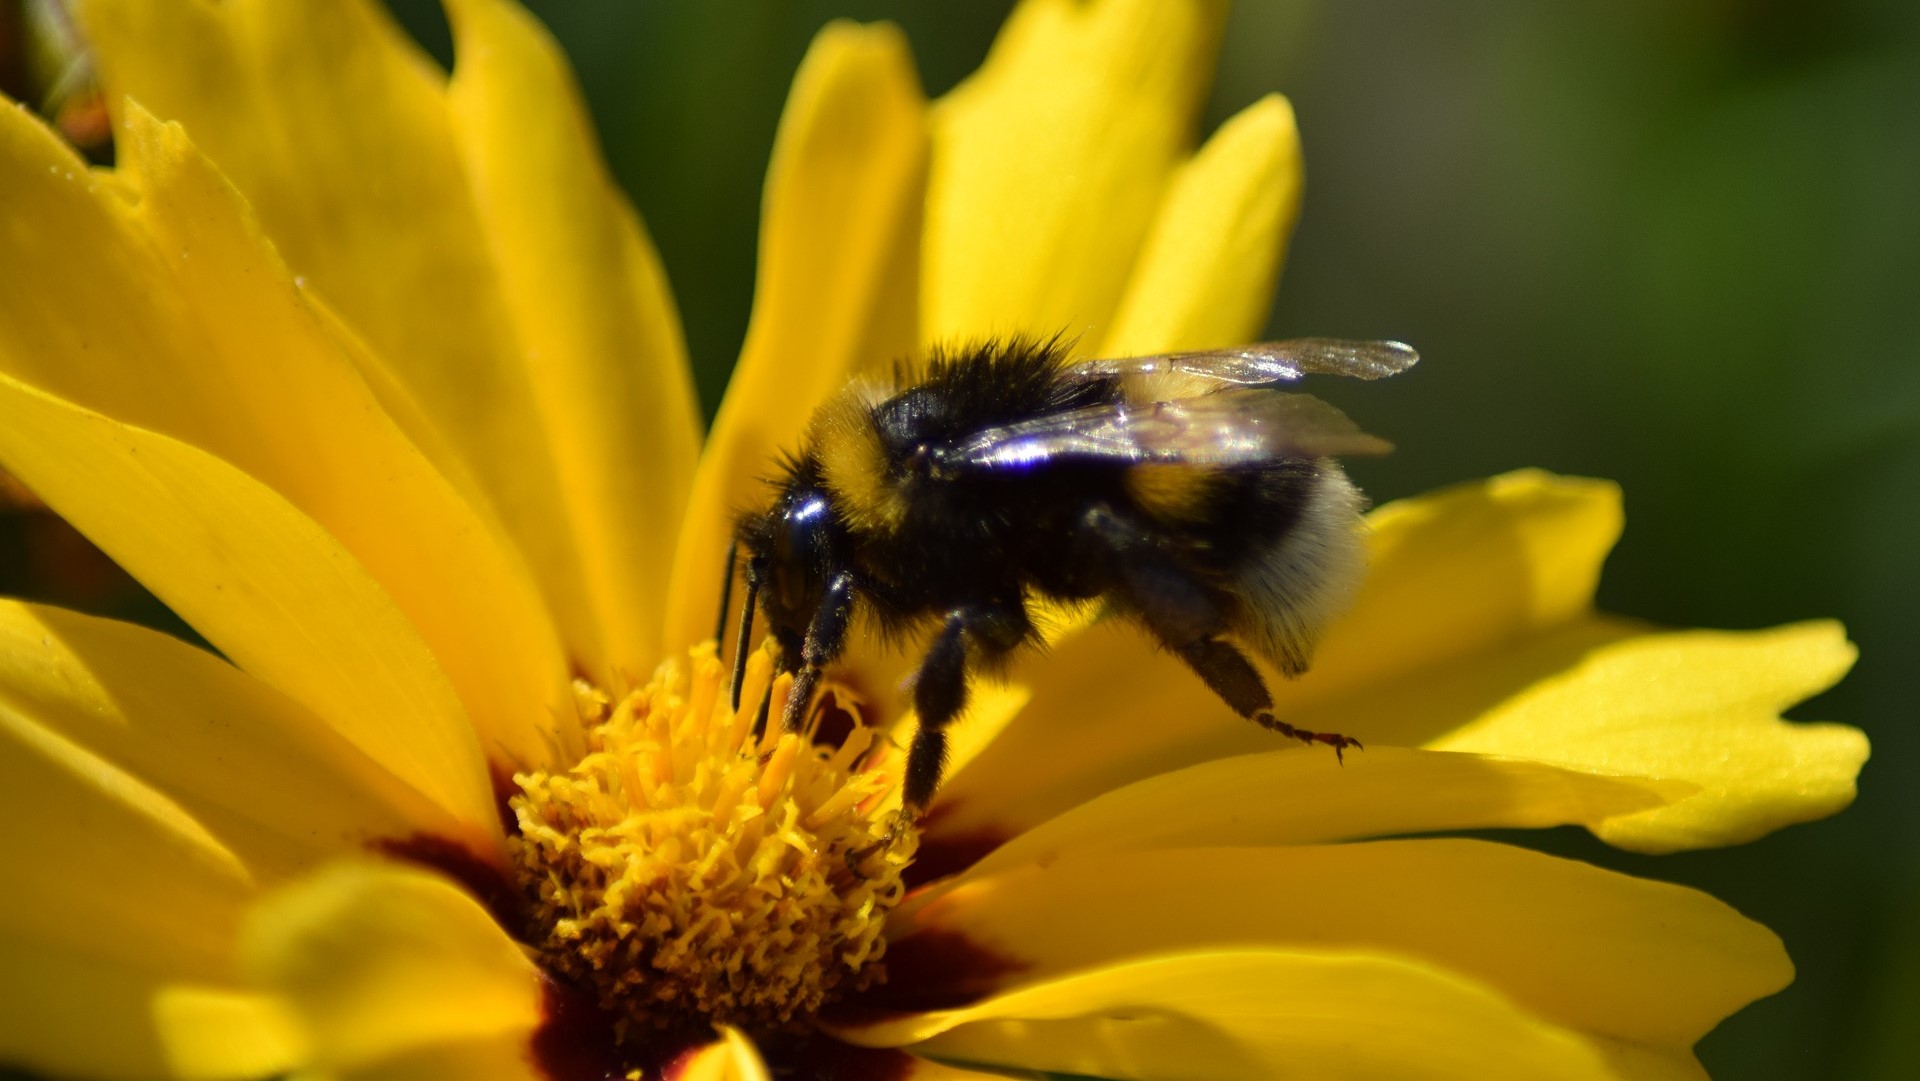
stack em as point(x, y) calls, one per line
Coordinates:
point(173, 313)
point(1453, 577)
point(112, 890)
point(261, 580)
point(1106, 708)
point(271, 780)
point(730, 1058)
point(1468, 568)
point(336, 128)
point(828, 1058)
point(841, 200)
point(991, 706)
point(905, 1067)
point(589, 300)
point(223, 1034)
point(494, 1058)
point(64, 1013)
point(1302, 797)
point(1634, 1062)
point(380, 963)
point(100, 863)
point(1049, 163)
point(1208, 267)
point(1592, 950)
point(1256, 1014)
point(1699, 706)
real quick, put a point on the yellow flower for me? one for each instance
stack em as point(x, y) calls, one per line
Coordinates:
point(371, 375)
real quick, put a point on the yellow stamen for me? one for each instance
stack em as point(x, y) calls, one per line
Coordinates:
point(689, 873)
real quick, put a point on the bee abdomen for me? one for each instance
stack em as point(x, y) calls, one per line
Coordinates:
point(1294, 581)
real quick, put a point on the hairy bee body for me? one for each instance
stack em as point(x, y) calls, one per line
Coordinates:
point(1185, 493)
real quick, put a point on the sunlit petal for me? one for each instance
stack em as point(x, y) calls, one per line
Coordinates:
point(189, 325)
point(1299, 796)
point(337, 130)
point(1050, 161)
point(382, 964)
point(271, 780)
point(1593, 950)
point(590, 304)
point(114, 889)
point(1700, 706)
point(1207, 269)
point(122, 872)
point(839, 227)
point(262, 581)
point(1256, 1014)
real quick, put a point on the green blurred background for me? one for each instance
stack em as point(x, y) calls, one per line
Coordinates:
point(1673, 243)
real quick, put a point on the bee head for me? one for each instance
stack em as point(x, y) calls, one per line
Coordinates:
point(799, 541)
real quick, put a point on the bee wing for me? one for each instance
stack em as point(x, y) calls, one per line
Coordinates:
point(1267, 362)
point(1230, 427)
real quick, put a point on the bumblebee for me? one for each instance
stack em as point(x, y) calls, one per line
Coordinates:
point(1187, 492)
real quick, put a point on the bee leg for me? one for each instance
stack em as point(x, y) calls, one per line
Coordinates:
point(1188, 620)
point(826, 637)
point(940, 690)
point(1228, 672)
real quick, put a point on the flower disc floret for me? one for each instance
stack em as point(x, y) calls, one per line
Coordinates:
point(690, 871)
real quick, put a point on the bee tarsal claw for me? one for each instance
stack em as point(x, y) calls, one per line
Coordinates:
point(1338, 742)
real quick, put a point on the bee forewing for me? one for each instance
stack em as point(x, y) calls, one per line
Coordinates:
point(1231, 427)
point(1330, 356)
point(1267, 362)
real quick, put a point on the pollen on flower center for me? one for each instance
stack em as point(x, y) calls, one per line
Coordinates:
point(688, 871)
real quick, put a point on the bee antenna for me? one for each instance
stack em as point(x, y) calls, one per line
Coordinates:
point(755, 568)
point(726, 592)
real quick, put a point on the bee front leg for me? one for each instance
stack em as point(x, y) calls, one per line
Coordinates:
point(940, 691)
point(826, 637)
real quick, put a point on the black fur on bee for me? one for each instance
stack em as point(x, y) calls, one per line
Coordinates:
point(1189, 493)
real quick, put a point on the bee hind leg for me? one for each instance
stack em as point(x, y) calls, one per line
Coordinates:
point(1229, 674)
point(1188, 620)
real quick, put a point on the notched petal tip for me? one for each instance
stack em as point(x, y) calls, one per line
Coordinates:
point(1770, 772)
point(1700, 706)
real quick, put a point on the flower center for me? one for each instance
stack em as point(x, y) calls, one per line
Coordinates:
point(689, 871)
